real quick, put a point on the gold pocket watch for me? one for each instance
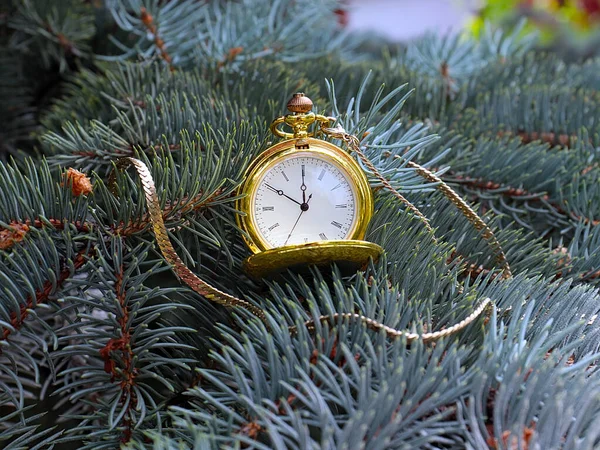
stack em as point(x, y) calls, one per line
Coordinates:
point(304, 201)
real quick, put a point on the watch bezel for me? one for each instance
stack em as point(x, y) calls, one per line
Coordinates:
point(325, 150)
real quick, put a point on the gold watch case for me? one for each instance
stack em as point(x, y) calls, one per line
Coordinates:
point(284, 150)
point(352, 252)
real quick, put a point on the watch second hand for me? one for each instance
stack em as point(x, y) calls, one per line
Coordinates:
point(280, 192)
point(296, 223)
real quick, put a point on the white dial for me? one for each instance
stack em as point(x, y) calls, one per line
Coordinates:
point(302, 199)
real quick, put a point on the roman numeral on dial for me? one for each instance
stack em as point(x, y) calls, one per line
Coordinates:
point(336, 224)
point(268, 208)
point(341, 206)
point(321, 175)
point(272, 227)
point(322, 236)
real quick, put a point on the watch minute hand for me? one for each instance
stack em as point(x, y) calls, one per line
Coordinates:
point(303, 186)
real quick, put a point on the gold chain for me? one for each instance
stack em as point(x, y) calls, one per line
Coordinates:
point(468, 212)
point(164, 243)
point(355, 144)
point(486, 304)
point(213, 294)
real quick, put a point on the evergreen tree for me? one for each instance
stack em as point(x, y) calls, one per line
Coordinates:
point(101, 346)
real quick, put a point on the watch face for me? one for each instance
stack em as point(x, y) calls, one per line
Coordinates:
point(304, 198)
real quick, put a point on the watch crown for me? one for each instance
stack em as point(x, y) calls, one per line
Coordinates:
point(299, 103)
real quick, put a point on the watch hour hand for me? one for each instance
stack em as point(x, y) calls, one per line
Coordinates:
point(280, 192)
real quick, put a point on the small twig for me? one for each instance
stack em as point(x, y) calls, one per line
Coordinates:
point(64, 41)
point(191, 205)
point(122, 345)
point(149, 23)
point(487, 185)
point(548, 137)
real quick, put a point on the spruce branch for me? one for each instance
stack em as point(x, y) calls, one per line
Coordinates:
point(17, 318)
point(130, 352)
point(120, 351)
point(167, 31)
point(26, 434)
point(30, 308)
point(333, 364)
point(17, 115)
point(55, 31)
point(502, 413)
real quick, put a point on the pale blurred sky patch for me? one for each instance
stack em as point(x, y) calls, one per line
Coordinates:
point(406, 19)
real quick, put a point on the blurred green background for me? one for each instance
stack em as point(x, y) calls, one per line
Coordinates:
point(571, 27)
